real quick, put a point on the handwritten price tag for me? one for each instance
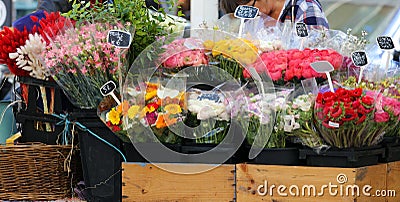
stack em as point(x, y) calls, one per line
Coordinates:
point(119, 38)
point(108, 89)
point(246, 12)
point(385, 42)
point(301, 29)
point(359, 58)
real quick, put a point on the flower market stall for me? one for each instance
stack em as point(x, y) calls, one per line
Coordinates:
point(143, 107)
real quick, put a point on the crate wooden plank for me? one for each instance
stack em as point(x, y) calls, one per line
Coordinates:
point(393, 182)
point(251, 180)
point(146, 182)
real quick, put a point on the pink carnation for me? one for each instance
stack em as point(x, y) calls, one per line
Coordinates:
point(381, 116)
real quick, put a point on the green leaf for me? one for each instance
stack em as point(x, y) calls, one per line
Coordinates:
point(180, 14)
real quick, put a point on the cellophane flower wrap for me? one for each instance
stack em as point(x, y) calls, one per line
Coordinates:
point(265, 113)
point(149, 109)
point(81, 61)
point(260, 110)
point(208, 115)
point(386, 116)
point(232, 54)
point(181, 53)
point(278, 137)
point(294, 65)
point(298, 119)
point(344, 118)
point(388, 97)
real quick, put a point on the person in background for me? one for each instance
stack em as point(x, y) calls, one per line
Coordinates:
point(307, 11)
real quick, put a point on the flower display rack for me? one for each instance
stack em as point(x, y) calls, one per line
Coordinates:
point(246, 182)
point(278, 156)
point(101, 164)
point(251, 177)
point(392, 149)
point(348, 157)
point(146, 182)
point(35, 124)
point(133, 155)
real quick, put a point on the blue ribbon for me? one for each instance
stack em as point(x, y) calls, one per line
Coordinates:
point(66, 133)
point(64, 119)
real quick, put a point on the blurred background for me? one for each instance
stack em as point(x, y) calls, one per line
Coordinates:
point(376, 17)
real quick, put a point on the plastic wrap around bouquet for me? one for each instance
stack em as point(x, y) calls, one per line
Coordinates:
point(347, 118)
point(294, 65)
point(298, 119)
point(388, 108)
point(267, 116)
point(184, 92)
point(82, 60)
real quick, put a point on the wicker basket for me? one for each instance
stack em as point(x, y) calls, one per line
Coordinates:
point(34, 172)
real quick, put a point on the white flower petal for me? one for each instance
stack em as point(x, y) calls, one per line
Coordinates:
point(13, 55)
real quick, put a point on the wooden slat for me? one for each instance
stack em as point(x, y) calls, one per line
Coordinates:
point(375, 176)
point(393, 181)
point(250, 177)
point(146, 182)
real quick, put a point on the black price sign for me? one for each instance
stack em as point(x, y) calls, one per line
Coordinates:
point(108, 88)
point(359, 58)
point(301, 29)
point(246, 12)
point(385, 42)
point(120, 39)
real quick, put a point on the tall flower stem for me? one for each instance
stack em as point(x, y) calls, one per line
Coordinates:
point(45, 106)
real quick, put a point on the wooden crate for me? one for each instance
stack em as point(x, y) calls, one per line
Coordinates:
point(393, 182)
point(252, 178)
point(146, 182)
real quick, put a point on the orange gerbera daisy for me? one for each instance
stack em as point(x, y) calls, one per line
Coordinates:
point(123, 108)
point(151, 90)
point(164, 120)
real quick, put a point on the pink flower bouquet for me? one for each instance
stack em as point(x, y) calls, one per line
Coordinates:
point(289, 65)
point(183, 53)
point(81, 61)
point(387, 115)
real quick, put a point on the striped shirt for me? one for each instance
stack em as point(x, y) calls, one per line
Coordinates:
point(306, 11)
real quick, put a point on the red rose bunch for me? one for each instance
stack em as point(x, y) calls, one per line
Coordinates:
point(287, 65)
point(344, 118)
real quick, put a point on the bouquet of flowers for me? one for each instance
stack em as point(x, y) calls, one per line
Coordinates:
point(386, 116)
point(81, 60)
point(390, 87)
point(133, 119)
point(298, 120)
point(266, 118)
point(209, 115)
point(344, 118)
point(183, 53)
point(294, 65)
point(388, 97)
point(22, 51)
point(232, 55)
point(260, 110)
